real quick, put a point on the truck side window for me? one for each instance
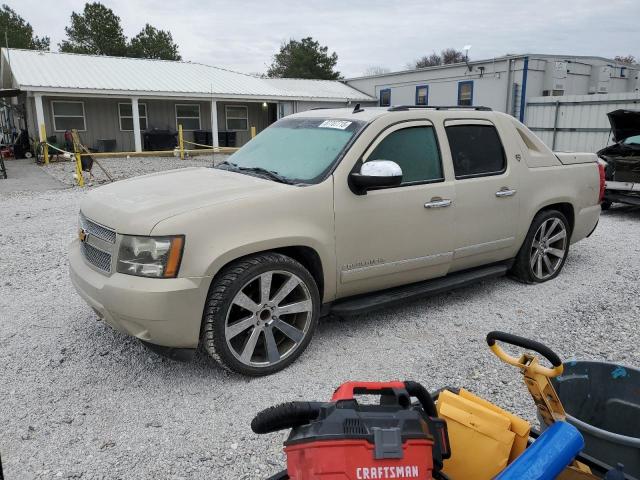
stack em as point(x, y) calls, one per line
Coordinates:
point(476, 150)
point(415, 149)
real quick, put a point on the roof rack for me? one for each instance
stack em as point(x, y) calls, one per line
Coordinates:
point(400, 108)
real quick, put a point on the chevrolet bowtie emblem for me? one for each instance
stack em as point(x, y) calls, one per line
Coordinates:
point(83, 235)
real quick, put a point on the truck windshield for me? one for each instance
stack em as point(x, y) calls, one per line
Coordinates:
point(299, 149)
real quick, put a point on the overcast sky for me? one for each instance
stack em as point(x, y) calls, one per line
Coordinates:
point(244, 35)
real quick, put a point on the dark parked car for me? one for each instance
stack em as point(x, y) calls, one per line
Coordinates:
point(622, 172)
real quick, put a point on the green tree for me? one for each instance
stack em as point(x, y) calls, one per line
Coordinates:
point(19, 32)
point(153, 43)
point(304, 59)
point(96, 31)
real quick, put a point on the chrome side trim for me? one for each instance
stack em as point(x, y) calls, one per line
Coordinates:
point(485, 247)
point(394, 267)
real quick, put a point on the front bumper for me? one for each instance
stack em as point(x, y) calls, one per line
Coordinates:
point(166, 312)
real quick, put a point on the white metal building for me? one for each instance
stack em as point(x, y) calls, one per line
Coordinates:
point(577, 122)
point(118, 98)
point(503, 83)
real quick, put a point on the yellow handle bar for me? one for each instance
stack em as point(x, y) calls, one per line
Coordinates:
point(525, 362)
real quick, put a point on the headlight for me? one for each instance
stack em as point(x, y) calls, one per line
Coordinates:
point(157, 257)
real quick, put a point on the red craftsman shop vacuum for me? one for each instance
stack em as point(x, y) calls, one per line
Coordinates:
point(347, 440)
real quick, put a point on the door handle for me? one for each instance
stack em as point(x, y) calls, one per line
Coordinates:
point(505, 192)
point(438, 203)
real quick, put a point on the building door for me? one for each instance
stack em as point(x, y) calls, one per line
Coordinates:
point(284, 109)
point(272, 112)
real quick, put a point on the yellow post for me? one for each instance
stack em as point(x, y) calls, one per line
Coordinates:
point(76, 151)
point(181, 142)
point(45, 148)
point(79, 176)
point(253, 131)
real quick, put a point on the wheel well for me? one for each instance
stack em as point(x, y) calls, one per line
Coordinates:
point(307, 256)
point(566, 209)
point(310, 260)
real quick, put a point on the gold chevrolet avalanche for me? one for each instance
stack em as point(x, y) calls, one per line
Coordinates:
point(328, 211)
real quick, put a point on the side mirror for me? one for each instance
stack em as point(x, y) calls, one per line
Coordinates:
point(376, 174)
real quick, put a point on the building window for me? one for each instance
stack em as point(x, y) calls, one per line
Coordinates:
point(465, 93)
point(188, 115)
point(422, 95)
point(68, 115)
point(125, 113)
point(385, 97)
point(237, 117)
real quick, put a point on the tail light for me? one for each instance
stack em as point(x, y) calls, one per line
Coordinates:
point(602, 181)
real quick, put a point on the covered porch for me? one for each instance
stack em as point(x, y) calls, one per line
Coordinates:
point(144, 123)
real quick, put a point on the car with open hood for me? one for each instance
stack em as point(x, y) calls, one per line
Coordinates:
point(622, 172)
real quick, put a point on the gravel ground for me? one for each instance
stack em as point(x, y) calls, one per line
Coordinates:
point(125, 167)
point(79, 400)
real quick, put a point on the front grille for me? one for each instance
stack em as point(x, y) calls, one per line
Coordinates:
point(96, 257)
point(99, 231)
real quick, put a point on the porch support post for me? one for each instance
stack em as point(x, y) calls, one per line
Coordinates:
point(39, 116)
point(135, 113)
point(214, 123)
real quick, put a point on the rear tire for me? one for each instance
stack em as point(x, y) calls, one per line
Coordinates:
point(605, 205)
point(545, 248)
point(260, 314)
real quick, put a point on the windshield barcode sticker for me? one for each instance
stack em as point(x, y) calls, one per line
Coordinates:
point(339, 124)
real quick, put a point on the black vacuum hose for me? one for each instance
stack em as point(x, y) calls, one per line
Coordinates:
point(414, 389)
point(285, 415)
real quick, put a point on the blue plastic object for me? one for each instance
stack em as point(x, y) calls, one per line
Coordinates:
point(548, 456)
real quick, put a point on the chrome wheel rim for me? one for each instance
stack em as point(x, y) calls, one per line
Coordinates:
point(268, 318)
point(548, 248)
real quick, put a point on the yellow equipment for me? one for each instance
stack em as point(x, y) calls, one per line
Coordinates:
point(485, 438)
point(537, 379)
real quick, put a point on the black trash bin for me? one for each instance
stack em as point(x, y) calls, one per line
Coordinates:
point(156, 139)
point(602, 400)
point(227, 139)
point(106, 145)
point(202, 137)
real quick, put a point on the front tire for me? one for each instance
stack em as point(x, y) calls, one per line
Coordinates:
point(260, 314)
point(545, 248)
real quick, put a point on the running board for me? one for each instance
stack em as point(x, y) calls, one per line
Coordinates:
point(399, 295)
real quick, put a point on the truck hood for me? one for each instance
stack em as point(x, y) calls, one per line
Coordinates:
point(624, 124)
point(136, 205)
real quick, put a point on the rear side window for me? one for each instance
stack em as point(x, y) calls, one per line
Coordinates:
point(415, 149)
point(476, 150)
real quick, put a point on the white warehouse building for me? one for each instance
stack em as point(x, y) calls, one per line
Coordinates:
point(504, 84)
